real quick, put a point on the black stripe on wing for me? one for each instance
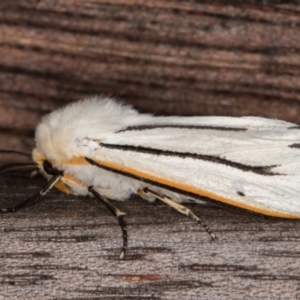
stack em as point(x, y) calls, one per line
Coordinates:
point(262, 170)
point(180, 126)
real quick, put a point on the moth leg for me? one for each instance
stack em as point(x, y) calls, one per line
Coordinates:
point(180, 208)
point(43, 191)
point(119, 214)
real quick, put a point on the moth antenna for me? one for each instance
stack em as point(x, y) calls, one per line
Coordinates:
point(31, 200)
point(182, 209)
point(15, 152)
point(18, 166)
point(119, 214)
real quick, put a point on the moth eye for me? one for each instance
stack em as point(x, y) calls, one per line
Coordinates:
point(49, 169)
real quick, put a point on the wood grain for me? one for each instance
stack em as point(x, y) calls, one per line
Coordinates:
point(164, 57)
point(68, 247)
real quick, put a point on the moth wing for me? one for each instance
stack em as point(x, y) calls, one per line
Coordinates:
point(249, 162)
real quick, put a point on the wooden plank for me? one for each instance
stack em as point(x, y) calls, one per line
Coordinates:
point(168, 57)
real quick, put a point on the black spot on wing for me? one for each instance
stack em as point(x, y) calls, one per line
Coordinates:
point(295, 146)
point(241, 194)
point(262, 170)
point(181, 126)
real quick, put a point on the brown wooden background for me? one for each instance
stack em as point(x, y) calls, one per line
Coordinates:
point(164, 57)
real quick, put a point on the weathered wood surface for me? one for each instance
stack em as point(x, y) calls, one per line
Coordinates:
point(168, 57)
point(68, 248)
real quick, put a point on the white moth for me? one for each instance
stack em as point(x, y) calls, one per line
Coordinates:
point(101, 147)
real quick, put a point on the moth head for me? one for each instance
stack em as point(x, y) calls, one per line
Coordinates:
point(48, 170)
point(45, 165)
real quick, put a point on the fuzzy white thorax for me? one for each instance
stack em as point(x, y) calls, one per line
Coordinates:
point(77, 129)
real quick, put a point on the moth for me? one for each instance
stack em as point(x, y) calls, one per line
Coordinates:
point(107, 149)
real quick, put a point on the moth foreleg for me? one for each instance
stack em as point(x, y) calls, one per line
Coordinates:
point(180, 208)
point(33, 199)
point(119, 214)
